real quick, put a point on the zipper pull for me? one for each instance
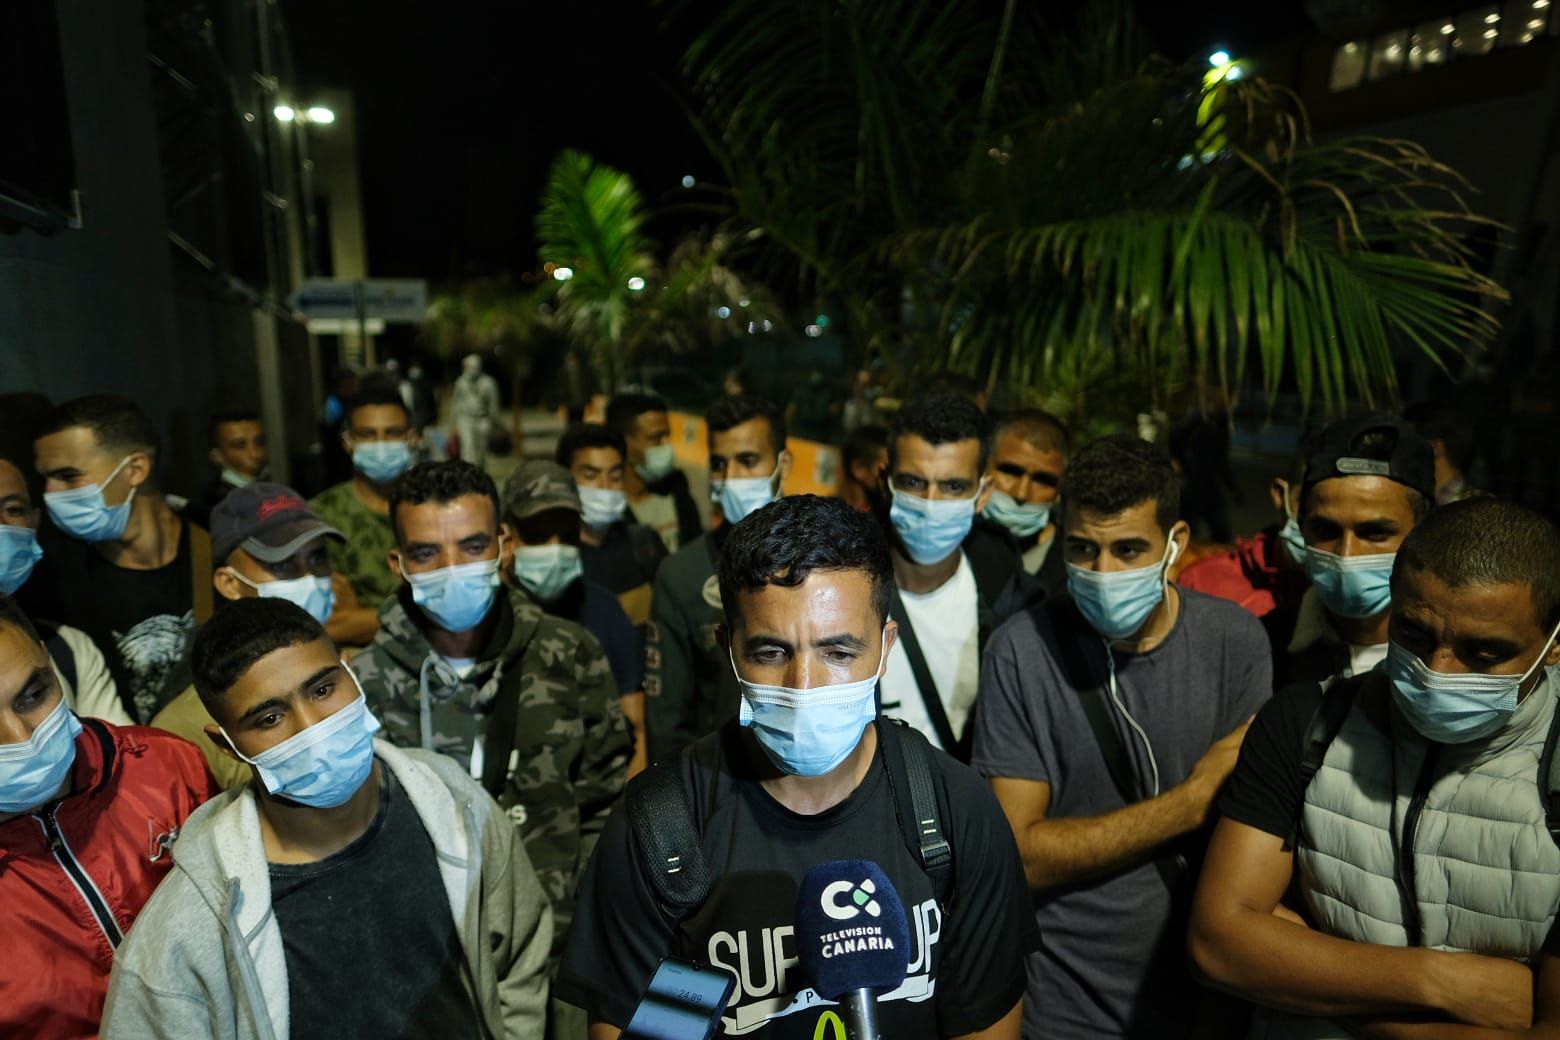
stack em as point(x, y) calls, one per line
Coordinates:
point(51, 827)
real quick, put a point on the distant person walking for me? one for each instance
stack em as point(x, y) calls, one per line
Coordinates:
point(473, 406)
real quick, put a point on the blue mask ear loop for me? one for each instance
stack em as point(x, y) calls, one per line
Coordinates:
point(1171, 552)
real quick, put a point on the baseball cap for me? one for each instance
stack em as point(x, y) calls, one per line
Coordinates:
point(538, 486)
point(1337, 452)
point(268, 521)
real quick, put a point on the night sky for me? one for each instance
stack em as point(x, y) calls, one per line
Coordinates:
point(462, 109)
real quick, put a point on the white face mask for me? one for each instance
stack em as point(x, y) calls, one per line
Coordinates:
point(311, 592)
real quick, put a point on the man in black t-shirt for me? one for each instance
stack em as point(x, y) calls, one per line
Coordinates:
point(350, 890)
point(805, 584)
point(118, 563)
point(1384, 866)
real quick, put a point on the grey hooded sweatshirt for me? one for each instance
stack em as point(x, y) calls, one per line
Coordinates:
point(205, 958)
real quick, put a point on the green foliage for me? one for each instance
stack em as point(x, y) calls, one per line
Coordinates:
point(1068, 219)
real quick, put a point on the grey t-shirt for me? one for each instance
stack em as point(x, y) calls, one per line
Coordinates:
point(1101, 940)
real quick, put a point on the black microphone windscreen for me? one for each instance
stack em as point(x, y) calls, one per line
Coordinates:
point(851, 929)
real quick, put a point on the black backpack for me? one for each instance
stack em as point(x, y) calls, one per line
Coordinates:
point(1338, 698)
point(669, 844)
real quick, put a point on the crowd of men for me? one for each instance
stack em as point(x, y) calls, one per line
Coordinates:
point(360, 765)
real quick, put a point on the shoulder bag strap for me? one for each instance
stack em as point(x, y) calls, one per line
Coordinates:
point(923, 677)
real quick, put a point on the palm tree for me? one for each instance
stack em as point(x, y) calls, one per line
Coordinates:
point(618, 301)
point(1064, 216)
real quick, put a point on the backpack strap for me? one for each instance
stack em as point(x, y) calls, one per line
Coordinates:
point(1326, 721)
point(907, 757)
point(60, 653)
point(924, 683)
point(662, 824)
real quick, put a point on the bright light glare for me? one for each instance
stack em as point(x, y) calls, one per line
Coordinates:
point(1448, 29)
point(1219, 59)
point(563, 274)
point(814, 331)
point(284, 112)
point(723, 312)
point(688, 181)
point(1234, 73)
point(636, 284)
point(321, 114)
point(1491, 19)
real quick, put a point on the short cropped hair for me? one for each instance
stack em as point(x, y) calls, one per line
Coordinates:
point(1488, 541)
point(377, 389)
point(1120, 471)
point(583, 436)
point(230, 415)
point(941, 419)
point(241, 633)
point(729, 412)
point(439, 482)
point(787, 540)
point(11, 613)
point(118, 424)
point(624, 410)
point(1037, 428)
point(863, 444)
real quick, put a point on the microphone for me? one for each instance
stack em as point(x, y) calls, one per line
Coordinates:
point(852, 939)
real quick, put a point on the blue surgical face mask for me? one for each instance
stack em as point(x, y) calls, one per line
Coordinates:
point(740, 497)
point(808, 732)
point(456, 598)
point(82, 513)
point(1024, 519)
point(547, 571)
point(1351, 586)
point(382, 461)
point(931, 529)
point(1454, 709)
point(324, 765)
point(1118, 603)
point(600, 507)
point(659, 461)
point(33, 771)
point(1293, 541)
point(233, 478)
point(314, 594)
point(19, 553)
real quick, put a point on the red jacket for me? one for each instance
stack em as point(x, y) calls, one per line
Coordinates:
point(1248, 574)
point(74, 874)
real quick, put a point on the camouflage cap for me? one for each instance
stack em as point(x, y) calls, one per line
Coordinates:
point(538, 486)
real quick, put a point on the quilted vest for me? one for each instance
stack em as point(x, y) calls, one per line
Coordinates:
point(1484, 872)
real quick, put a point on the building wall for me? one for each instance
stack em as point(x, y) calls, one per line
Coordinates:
point(95, 309)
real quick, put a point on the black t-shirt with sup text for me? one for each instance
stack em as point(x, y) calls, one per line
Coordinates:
point(966, 960)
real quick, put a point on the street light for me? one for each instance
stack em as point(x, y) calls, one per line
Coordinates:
point(313, 114)
point(563, 274)
point(1219, 59)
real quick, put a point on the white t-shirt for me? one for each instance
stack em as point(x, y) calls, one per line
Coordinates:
point(947, 627)
point(1363, 658)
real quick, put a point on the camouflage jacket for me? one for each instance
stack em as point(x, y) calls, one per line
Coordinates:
point(570, 742)
point(361, 558)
